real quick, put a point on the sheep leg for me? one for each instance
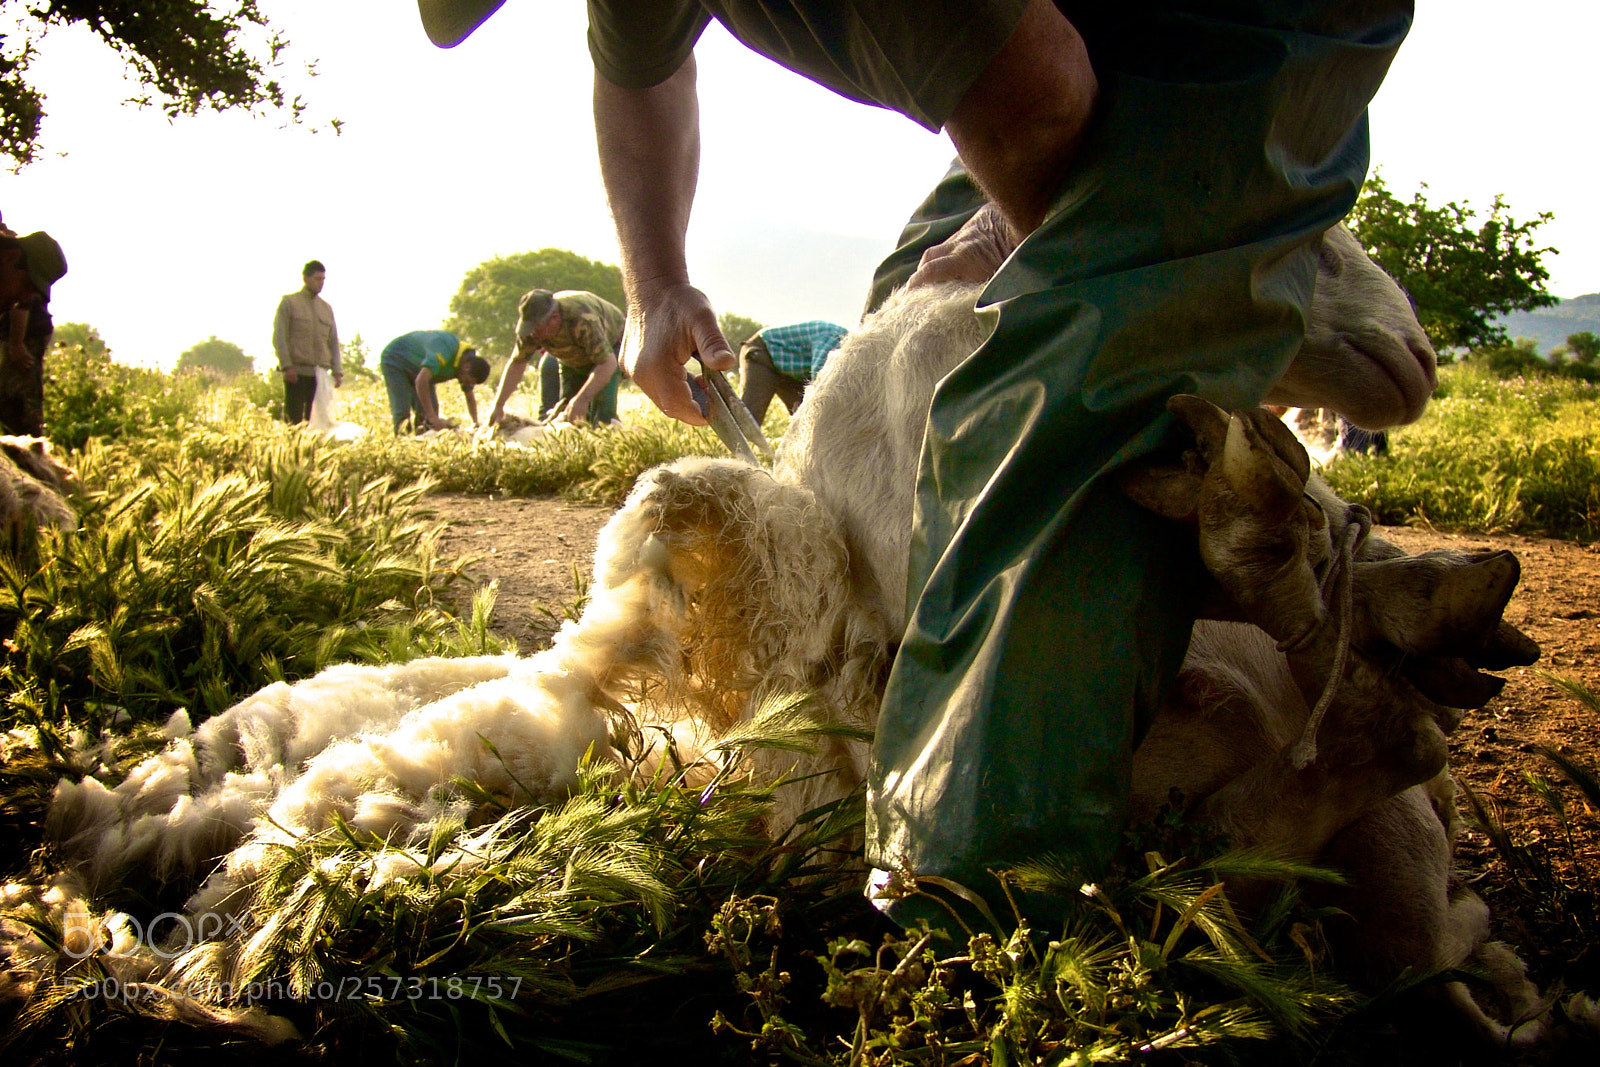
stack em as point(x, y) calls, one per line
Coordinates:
point(1264, 536)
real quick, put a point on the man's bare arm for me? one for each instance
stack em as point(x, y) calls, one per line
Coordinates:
point(600, 376)
point(510, 378)
point(1020, 122)
point(423, 384)
point(649, 142)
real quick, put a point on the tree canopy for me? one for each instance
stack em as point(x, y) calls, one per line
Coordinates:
point(355, 355)
point(1584, 346)
point(186, 56)
point(484, 310)
point(224, 357)
point(1462, 274)
point(81, 335)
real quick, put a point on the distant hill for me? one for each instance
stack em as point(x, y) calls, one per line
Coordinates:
point(1550, 326)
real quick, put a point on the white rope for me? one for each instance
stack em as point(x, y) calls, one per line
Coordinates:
point(1341, 575)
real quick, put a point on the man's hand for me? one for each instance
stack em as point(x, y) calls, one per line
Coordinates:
point(338, 378)
point(666, 329)
point(576, 411)
point(649, 142)
point(291, 375)
point(510, 378)
point(971, 254)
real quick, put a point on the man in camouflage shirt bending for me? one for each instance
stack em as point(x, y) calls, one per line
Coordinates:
point(583, 332)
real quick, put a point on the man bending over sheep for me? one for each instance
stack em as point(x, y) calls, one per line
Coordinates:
point(1167, 167)
point(583, 333)
point(414, 363)
point(781, 361)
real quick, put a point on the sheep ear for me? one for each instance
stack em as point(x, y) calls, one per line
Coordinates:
point(1171, 492)
point(1263, 430)
point(1444, 603)
point(1507, 647)
point(1282, 441)
point(1452, 682)
point(1174, 492)
point(1259, 477)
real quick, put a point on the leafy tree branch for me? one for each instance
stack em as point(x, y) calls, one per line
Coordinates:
point(188, 56)
point(1461, 273)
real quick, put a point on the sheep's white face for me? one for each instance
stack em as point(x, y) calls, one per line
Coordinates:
point(1364, 354)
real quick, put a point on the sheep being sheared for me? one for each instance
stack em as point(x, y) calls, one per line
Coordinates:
point(719, 584)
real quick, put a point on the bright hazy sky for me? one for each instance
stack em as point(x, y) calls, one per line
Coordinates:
point(175, 232)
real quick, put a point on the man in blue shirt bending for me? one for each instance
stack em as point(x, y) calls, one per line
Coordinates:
point(782, 361)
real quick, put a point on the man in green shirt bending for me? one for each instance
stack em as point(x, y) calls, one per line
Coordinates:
point(415, 362)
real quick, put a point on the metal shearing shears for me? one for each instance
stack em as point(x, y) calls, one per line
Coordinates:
point(731, 419)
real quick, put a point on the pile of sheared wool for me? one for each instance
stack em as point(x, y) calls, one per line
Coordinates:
point(375, 746)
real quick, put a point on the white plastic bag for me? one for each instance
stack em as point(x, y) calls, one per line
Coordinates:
point(323, 409)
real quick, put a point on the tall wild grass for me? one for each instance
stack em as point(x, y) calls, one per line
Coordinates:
point(1515, 455)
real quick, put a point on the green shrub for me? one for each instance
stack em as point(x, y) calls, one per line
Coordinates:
point(190, 587)
point(264, 391)
point(89, 395)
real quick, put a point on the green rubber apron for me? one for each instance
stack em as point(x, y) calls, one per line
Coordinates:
point(1049, 614)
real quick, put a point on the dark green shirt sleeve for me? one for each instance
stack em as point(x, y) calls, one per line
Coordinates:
point(917, 57)
point(642, 43)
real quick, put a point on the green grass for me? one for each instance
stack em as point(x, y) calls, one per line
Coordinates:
point(225, 430)
point(1552, 882)
point(1519, 455)
point(655, 919)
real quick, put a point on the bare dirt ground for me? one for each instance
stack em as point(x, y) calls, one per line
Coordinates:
point(532, 547)
point(539, 550)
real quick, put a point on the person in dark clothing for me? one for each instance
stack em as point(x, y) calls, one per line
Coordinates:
point(29, 266)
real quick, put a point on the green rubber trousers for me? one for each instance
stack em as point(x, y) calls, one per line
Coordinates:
point(1048, 613)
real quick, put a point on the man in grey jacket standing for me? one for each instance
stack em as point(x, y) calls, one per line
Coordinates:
point(304, 338)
